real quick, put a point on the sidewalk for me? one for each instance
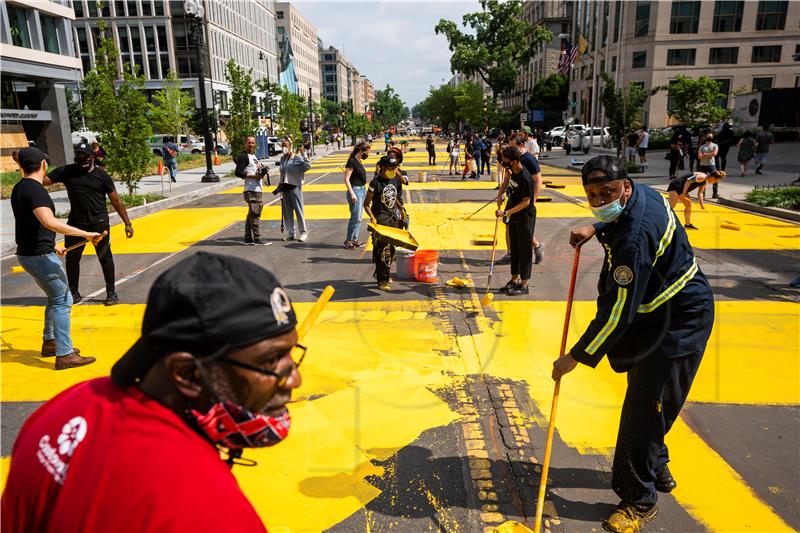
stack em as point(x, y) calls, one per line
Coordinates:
point(783, 166)
point(188, 182)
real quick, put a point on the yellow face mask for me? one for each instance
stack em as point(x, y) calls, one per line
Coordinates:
point(390, 173)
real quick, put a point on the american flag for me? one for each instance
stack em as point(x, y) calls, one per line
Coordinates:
point(569, 54)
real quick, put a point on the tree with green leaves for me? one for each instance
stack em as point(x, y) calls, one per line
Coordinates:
point(330, 111)
point(171, 107)
point(357, 125)
point(291, 111)
point(388, 109)
point(695, 102)
point(551, 95)
point(242, 122)
point(623, 108)
point(469, 105)
point(116, 108)
point(195, 121)
point(499, 41)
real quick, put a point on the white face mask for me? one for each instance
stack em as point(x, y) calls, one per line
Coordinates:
point(285, 150)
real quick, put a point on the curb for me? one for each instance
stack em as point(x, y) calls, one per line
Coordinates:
point(776, 212)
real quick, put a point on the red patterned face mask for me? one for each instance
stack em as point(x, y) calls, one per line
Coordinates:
point(235, 427)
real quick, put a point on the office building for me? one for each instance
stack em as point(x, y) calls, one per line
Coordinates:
point(37, 59)
point(303, 39)
point(744, 45)
point(335, 75)
point(157, 36)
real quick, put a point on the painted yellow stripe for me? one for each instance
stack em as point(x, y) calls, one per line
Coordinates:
point(613, 321)
point(670, 291)
point(413, 185)
point(666, 239)
point(711, 491)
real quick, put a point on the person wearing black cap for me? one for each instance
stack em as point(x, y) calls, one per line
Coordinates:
point(87, 187)
point(383, 205)
point(35, 231)
point(520, 214)
point(212, 373)
point(654, 316)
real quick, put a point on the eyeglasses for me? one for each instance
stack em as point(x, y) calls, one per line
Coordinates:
point(297, 353)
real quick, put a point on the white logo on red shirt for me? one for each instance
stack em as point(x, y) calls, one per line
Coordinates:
point(56, 458)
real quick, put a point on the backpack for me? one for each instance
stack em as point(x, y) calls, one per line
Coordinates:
point(746, 151)
point(172, 153)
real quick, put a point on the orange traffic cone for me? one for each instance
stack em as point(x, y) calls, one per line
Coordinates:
point(216, 158)
point(160, 167)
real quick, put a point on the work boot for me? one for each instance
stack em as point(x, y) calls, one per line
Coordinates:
point(385, 286)
point(111, 299)
point(664, 480)
point(76, 298)
point(49, 348)
point(629, 518)
point(73, 360)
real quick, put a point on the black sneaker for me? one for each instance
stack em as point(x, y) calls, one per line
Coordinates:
point(76, 298)
point(248, 242)
point(664, 480)
point(629, 518)
point(508, 286)
point(506, 259)
point(111, 299)
point(517, 290)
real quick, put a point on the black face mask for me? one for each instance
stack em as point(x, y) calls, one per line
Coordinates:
point(84, 161)
point(506, 164)
point(364, 155)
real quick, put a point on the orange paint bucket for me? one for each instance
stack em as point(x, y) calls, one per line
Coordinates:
point(426, 266)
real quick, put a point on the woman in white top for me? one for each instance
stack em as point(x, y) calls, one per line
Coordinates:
point(454, 149)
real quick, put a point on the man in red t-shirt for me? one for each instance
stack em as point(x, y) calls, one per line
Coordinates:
point(140, 451)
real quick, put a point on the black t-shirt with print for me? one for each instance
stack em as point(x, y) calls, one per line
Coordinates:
point(359, 176)
point(87, 192)
point(520, 186)
point(32, 238)
point(386, 195)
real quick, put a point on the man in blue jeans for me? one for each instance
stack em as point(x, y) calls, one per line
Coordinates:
point(35, 227)
point(171, 158)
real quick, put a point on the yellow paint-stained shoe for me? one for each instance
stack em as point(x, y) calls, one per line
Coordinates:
point(385, 286)
point(629, 518)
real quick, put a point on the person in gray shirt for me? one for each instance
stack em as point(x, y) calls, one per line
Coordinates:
point(763, 140)
point(294, 166)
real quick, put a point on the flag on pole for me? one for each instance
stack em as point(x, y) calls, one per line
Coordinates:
point(568, 56)
point(583, 45)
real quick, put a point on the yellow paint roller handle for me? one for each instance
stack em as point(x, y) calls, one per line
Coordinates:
point(312, 316)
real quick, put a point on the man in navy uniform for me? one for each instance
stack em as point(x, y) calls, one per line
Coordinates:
point(655, 311)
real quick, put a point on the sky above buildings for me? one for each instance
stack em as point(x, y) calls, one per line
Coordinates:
point(390, 41)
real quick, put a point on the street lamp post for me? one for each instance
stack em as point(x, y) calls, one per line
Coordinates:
point(311, 127)
point(196, 9)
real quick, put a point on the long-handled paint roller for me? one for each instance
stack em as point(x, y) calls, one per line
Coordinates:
point(312, 316)
point(488, 296)
point(17, 269)
point(537, 523)
point(481, 208)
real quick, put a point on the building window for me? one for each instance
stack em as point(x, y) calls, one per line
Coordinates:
point(681, 56)
point(766, 54)
point(50, 34)
point(671, 100)
point(77, 5)
point(771, 15)
point(762, 84)
point(163, 50)
point(83, 49)
point(279, 14)
point(152, 52)
point(101, 9)
point(147, 8)
point(685, 17)
point(119, 8)
point(642, 19)
point(617, 20)
point(723, 56)
point(138, 60)
point(725, 89)
point(614, 64)
point(18, 21)
point(639, 60)
point(158, 6)
point(728, 16)
point(124, 47)
point(132, 8)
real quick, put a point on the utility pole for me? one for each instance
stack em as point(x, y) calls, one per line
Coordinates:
point(311, 127)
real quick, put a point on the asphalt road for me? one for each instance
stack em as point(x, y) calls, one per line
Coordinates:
point(421, 409)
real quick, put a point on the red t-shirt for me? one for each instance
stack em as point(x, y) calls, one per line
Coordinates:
point(101, 458)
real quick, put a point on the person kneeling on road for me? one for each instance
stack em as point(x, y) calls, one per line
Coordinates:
point(654, 316)
point(383, 206)
point(251, 171)
point(212, 373)
point(35, 227)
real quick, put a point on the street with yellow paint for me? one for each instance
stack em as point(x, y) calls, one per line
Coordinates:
point(421, 409)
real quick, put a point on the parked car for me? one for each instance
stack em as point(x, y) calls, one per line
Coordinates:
point(187, 144)
point(598, 136)
point(84, 134)
point(556, 135)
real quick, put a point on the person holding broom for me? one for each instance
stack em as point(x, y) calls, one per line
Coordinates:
point(384, 207)
point(654, 316)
